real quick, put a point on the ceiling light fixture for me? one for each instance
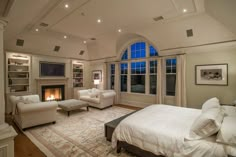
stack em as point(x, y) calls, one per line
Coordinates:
point(36, 29)
point(185, 10)
point(119, 30)
point(65, 37)
point(66, 5)
point(85, 41)
point(99, 20)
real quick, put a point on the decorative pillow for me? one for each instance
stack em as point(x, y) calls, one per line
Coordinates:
point(229, 110)
point(210, 103)
point(227, 132)
point(92, 95)
point(28, 101)
point(207, 124)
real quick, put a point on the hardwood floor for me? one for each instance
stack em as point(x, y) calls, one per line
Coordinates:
point(25, 148)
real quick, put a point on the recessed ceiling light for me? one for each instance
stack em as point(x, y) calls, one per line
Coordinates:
point(66, 5)
point(185, 10)
point(36, 29)
point(65, 37)
point(119, 30)
point(85, 41)
point(99, 20)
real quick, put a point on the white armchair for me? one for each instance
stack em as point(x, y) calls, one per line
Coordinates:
point(29, 111)
point(97, 98)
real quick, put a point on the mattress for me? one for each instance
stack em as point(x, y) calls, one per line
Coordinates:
point(161, 129)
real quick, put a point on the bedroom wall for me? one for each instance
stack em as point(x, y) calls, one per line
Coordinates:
point(197, 94)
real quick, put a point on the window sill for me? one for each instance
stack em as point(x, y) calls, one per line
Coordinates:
point(143, 94)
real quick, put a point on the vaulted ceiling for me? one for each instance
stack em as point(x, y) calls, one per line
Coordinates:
point(77, 20)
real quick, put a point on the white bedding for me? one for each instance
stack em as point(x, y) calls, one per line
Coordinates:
point(161, 129)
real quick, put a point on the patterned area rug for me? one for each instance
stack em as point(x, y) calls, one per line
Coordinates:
point(80, 135)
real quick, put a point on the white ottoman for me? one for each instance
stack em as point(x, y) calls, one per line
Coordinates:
point(72, 104)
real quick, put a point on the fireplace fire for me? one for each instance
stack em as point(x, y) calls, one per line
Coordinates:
point(55, 92)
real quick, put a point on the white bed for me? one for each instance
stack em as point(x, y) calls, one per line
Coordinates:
point(161, 129)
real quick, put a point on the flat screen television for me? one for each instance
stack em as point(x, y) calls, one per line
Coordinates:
point(52, 69)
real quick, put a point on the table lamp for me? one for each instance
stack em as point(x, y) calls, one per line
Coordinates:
point(96, 82)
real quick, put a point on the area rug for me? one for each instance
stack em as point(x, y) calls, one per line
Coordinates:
point(79, 135)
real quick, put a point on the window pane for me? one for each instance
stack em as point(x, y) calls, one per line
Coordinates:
point(123, 68)
point(125, 55)
point(153, 67)
point(138, 50)
point(112, 81)
point(138, 68)
point(153, 51)
point(170, 84)
point(123, 83)
point(138, 83)
point(153, 84)
point(168, 62)
point(112, 69)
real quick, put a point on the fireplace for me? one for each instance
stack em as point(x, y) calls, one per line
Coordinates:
point(53, 92)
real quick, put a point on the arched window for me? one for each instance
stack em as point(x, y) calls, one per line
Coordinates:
point(136, 54)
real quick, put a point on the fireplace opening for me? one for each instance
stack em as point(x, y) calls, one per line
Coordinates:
point(53, 92)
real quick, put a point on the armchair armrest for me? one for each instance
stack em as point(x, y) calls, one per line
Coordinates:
point(109, 94)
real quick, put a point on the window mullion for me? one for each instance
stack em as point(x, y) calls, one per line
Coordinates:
point(147, 78)
point(129, 77)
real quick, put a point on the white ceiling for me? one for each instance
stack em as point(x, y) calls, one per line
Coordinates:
point(80, 18)
point(79, 22)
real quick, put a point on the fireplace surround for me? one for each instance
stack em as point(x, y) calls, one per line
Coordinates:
point(47, 82)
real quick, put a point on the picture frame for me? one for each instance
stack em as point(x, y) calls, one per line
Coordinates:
point(97, 75)
point(211, 74)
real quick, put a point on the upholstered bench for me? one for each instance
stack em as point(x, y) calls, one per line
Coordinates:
point(72, 104)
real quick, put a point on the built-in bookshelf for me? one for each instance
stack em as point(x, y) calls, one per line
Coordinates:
point(18, 73)
point(78, 74)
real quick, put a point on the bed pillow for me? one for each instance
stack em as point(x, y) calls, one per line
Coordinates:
point(227, 132)
point(229, 110)
point(206, 124)
point(210, 103)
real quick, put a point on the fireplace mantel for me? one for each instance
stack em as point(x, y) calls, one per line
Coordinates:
point(51, 81)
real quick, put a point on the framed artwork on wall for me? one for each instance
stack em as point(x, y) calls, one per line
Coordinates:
point(97, 75)
point(211, 74)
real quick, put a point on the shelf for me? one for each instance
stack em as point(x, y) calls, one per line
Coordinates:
point(20, 91)
point(18, 71)
point(18, 78)
point(13, 85)
point(77, 74)
point(18, 65)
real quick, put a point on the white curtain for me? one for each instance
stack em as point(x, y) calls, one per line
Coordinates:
point(159, 88)
point(180, 91)
point(117, 83)
point(105, 76)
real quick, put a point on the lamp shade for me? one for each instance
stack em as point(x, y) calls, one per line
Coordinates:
point(96, 82)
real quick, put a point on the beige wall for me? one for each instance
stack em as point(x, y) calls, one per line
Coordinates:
point(197, 94)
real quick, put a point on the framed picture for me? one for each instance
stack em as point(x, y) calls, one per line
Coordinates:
point(211, 74)
point(97, 75)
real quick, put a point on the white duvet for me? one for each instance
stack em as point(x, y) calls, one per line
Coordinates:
point(161, 129)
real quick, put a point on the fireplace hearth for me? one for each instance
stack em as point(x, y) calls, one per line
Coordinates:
point(53, 92)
